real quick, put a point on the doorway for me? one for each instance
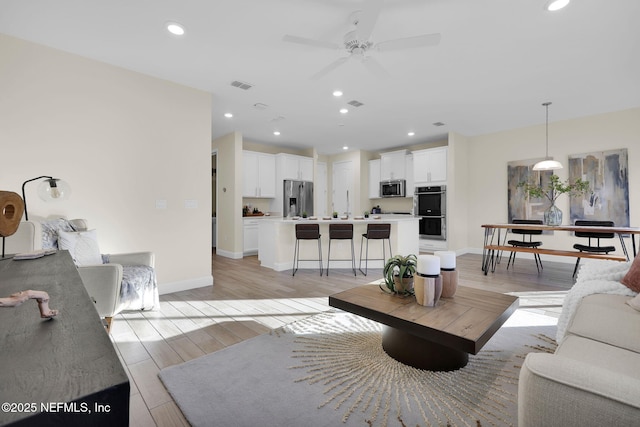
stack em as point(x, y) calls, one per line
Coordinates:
point(214, 199)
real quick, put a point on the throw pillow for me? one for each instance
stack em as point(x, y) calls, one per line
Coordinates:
point(82, 245)
point(635, 302)
point(632, 279)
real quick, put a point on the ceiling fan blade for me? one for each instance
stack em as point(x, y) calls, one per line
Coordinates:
point(368, 19)
point(409, 42)
point(374, 67)
point(310, 42)
point(326, 70)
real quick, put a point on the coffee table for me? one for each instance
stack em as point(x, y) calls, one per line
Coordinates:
point(434, 338)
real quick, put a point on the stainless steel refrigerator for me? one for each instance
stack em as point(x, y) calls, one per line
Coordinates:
point(298, 198)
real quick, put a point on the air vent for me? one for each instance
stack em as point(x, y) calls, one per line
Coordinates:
point(355, 103)
point(241, 85)
point(438, 124)
point(260, 106)
point(277, 119)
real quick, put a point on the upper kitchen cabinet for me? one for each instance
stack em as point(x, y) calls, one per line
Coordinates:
point(259, 175)
point(295, 167)
point(410, 186)
point(430, 166)
point(392, 165)
point(374, 179)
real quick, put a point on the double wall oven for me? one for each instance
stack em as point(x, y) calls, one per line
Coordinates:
point(430, 205)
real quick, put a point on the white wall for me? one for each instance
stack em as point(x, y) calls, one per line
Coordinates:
point(488, 156)
point(122, 140)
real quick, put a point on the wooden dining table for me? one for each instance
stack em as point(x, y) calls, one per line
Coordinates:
point(495, 236)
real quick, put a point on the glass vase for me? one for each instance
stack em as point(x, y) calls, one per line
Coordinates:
point(553, 216)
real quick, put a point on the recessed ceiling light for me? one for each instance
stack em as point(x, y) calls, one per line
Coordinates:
point(554, 5)
point(411, 133)
point(276, 133)
point(345, 148)
point(175, 28)
point(228, 115)
point(337, 93)
point(344, 110)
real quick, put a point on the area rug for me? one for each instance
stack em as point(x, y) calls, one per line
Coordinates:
point(330, 370)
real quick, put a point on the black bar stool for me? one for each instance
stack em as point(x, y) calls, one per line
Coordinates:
point(341, 232)
point(306, 232)
point(375, 232)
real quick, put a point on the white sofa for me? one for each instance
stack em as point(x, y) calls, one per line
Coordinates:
point(593, 378)
point(104, 282)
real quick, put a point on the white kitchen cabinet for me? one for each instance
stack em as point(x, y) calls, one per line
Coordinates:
point(374, 179)
point(259, 175)
point(343, 200)
point(430, 166)
point(409, 187)
point(295, 167)
point(392, 165)
point(250, 236)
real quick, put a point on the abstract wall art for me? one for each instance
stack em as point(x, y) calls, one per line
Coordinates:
point(608, 196)
point(520, 205)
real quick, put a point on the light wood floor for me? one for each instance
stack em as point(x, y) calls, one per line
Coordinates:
point(247, 300)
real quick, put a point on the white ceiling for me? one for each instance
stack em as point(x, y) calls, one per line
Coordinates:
point(496, 63)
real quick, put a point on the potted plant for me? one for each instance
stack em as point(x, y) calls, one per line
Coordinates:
point(398, 274)
point(366, 214)
point(335, 214)
point(553, 190)
point(304, 214)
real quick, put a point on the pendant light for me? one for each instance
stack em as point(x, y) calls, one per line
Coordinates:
point(548, 163)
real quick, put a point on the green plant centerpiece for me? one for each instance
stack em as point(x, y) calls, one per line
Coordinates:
point(553, 190)
point(398, 274)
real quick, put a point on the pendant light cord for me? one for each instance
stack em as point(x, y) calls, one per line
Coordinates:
point(546, 104)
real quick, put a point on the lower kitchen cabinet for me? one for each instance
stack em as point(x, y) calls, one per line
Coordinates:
point(250, 236)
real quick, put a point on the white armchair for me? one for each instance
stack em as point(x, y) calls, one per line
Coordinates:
point(122, 282)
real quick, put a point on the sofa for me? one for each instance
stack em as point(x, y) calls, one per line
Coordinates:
point(593, 377)
point(115, 282)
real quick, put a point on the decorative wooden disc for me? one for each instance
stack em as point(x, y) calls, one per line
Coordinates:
point(11, 210)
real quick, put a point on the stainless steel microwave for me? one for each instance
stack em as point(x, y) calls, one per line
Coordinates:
point(393, 188)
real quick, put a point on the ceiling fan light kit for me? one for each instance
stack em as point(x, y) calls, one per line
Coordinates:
point(548, 163)
point(357, 42)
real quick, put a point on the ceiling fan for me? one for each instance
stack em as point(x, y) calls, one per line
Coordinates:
point(358, 45)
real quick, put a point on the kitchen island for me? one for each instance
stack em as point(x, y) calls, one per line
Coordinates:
point(277, 238)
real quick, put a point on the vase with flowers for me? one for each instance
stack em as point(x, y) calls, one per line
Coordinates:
point(553, 190)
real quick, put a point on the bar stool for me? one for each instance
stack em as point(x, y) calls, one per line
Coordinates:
point(375, 232)
point(306, 232)
point(341, 232)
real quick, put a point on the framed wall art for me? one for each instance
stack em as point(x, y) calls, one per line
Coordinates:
point(608, 195)
point(520, 205)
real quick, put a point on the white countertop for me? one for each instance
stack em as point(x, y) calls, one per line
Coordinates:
point(354, 220)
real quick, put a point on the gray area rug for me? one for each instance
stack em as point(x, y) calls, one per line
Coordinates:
point(330, 370)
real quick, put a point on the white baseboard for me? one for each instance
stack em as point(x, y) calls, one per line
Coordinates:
point(229, 254)
point(338, 264)
point(185, 285)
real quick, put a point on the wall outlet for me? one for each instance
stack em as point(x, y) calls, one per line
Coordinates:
point(161, 204)
point(191, 204)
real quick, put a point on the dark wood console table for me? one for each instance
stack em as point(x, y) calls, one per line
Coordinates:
point(63, 371)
